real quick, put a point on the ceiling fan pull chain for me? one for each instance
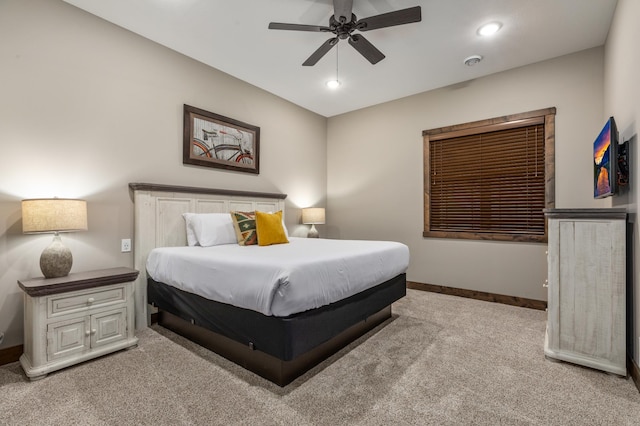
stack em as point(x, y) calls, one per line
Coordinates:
point(337, 56)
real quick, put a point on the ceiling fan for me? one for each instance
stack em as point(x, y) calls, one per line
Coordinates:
point(343, 23)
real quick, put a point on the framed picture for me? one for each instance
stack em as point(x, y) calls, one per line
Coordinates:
point(212, 140)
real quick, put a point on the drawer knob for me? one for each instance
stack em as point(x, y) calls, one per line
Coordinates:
point(87, 333)
point(90, 300)
point(93, 331)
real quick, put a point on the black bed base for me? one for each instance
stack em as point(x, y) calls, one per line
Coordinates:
point(279, 349)
point(264, 365)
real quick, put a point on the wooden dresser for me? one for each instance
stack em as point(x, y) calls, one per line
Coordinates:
point(75, 318)
point(587, 288)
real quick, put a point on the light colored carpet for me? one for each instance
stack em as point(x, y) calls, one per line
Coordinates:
point(443, 360)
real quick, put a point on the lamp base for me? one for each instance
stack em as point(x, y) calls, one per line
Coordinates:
point(56, 260)
point(313, 232)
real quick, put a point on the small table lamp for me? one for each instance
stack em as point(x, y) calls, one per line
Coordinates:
point(54, 215)
point(313, 216)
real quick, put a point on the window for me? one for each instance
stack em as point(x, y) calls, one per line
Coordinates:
point(490, 179)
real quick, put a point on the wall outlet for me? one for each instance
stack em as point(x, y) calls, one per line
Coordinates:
point(125, 245)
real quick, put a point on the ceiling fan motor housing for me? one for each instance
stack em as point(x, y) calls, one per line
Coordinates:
point(343, 30)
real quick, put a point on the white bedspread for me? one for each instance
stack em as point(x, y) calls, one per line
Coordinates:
point(281, 279)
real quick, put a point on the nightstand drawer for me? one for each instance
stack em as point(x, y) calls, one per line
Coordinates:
point(64, 304)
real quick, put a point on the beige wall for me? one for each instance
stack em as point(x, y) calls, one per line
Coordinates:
point(375, 166)
point(622, 100)
point(87, 107)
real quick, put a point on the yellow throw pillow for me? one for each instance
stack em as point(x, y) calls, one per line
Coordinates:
point(269, 229)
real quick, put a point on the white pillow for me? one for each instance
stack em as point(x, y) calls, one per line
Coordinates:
point(213, 229)
point(192, 240)
point(286, 233)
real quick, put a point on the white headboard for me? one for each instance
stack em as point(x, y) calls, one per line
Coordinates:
point(158, 221)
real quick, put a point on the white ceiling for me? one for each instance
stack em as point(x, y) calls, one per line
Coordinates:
point(232, 36)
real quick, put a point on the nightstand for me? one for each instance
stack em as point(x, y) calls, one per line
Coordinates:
point(75, 318)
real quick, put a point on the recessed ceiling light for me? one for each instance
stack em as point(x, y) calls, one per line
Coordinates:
point(490, 28)
point(333, 84)
point(472, 60)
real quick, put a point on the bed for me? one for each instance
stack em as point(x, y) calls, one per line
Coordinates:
point(270, 339)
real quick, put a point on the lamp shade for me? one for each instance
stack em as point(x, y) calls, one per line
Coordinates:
point(313, 215)
point(54, 215)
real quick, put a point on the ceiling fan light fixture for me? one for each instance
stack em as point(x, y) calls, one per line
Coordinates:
point(333, 84)
point(489, 29)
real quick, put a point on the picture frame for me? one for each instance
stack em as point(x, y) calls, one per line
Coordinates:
point(213, 140)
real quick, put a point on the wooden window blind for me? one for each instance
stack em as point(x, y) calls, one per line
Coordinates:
point(488, 183)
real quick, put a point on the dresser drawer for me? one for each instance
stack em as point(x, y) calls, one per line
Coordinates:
point(68, 303)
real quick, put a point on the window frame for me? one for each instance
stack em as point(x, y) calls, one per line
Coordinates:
point(547, 116)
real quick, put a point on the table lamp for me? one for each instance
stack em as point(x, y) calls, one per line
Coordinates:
point(313, 216)
point(46, 215)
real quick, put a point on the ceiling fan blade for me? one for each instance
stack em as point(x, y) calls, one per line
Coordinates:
point(366, 49)
point(398, 17)
point(298, 27)
point(342, 9)
point(322, 50)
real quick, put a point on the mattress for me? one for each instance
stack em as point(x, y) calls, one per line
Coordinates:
point(283, 279)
